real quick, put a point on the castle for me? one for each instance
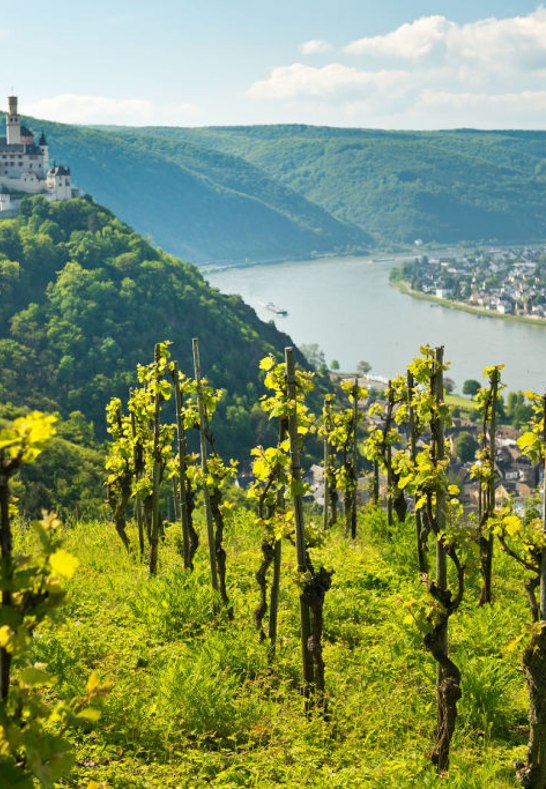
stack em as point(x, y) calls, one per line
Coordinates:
point(24, 166)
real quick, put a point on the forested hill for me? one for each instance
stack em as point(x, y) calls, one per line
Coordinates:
point(200, 204)
point(84, 298)
point(255, 193)
point(445, 186)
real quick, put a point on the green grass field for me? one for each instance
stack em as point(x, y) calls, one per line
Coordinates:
point(465, 404)
point(194, 702)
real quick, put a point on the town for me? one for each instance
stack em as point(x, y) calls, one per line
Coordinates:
point(509, 281)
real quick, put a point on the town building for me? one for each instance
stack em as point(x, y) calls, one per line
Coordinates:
point(25, 167)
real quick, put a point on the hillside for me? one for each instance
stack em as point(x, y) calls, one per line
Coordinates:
point(195, 702)
point(84, 299)
point(257, 193)
point(199, 204)
point(444, 186)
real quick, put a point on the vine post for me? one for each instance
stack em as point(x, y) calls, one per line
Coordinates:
point(277, 557)
point(297, 501)
point(354, 452)
point(383, 436)
point(326, 424)
point(204, 466)
point(437, 429)
point(420, 527)
point(184, 513)
point(543, 558)
point(121, 472)
point(137, 465)
point(156, 463)
point(484, 470)
point(523, 538)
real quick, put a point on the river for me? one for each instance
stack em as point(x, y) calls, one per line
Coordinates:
point(348, 307)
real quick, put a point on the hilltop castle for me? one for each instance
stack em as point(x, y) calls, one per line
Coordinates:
point(24, 166)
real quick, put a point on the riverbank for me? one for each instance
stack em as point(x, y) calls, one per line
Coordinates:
point(347, 307)
point(404, 287)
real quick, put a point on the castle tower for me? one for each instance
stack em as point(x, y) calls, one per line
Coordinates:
point(44, 148)
point(13, 123)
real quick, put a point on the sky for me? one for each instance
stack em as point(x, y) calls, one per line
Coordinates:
point(394, 64)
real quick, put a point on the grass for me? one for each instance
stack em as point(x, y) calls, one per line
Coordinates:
point(464, 404)
point(194, 702)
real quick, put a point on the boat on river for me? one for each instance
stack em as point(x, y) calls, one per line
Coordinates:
point(277, 310)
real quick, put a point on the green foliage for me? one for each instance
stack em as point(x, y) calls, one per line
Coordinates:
point(466, 447)
point(518, 412)
point(33, 745)
point(341, 433)
point(363, 367)
point(532, 442)
point(191, 705)
point(256, 217)
point(471, 387)
point(90, 304)
point(271, 467)
point(314, 356)
point(490, 185)
point(281, 191)
point(67, 476)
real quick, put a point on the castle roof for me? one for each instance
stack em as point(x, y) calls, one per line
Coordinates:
point(58, 169)
point(42, 140)
point(18, 147)
point(11, 147)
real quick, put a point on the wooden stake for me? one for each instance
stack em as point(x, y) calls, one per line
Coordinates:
point(297, 501)
point(203, 445)
point(184, 514)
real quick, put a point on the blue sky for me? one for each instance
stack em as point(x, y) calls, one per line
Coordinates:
point(391, 64)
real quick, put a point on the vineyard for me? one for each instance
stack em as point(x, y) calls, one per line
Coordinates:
point(204, 634)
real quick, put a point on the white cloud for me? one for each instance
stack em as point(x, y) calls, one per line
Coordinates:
point(75, 108)
point(519, 40)
point(411, 41)
point(315, 47)
point(332, 81)
point(429, 73)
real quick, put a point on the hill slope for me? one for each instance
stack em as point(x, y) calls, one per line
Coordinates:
point(199, 204)
point(84, 299)
point(255, 193)
point(449, 186)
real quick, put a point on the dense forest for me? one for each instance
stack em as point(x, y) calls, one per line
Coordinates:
point(201, 205)
point(84, 298)
point(297, 191)
point(270, 192)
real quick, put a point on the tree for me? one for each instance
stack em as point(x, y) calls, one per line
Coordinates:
point(471, 387)
point(363, 367)
point(449, 384)
point(314, 356)
point(334, 364)
point(466, 447)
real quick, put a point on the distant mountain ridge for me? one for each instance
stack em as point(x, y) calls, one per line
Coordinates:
point(200, 204)
point(261, 193)
point(445, 186)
